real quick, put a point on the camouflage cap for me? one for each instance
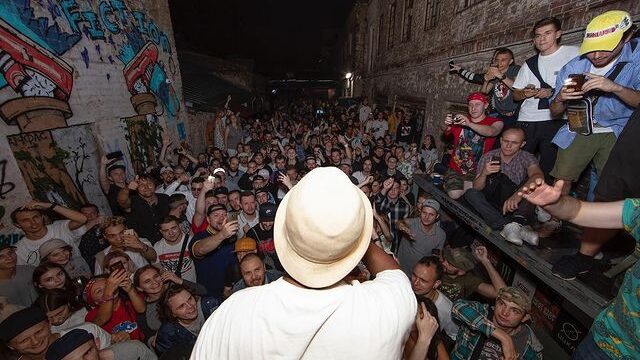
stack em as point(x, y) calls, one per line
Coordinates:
point(516, 296)
point(460, 257)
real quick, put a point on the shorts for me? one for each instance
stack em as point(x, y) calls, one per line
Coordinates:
point(620, 177)
point(453, 180)
point(572, 161)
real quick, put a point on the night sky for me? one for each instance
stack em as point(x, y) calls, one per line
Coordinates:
point(280, 35)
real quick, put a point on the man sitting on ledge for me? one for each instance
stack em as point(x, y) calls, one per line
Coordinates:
point(495, 189)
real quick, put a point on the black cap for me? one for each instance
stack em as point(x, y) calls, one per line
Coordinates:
point(215, 207)
point(267, 212)
point(221, 190)
point(20, 321)
point(67, 343)
point(115, 167)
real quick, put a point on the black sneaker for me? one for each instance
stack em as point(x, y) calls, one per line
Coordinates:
point(570, 266)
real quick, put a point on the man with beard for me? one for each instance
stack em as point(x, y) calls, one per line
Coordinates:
point(145, 208)
point(262, 233)
point(212, 250)
point(496, 333)
point(254, 273)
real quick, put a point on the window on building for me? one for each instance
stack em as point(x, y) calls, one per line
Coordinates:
point(392, 24)
point(380, 34)
point(408, 20)
point(431, 14)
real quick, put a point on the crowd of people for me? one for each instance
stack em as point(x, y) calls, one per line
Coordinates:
point(298, 233)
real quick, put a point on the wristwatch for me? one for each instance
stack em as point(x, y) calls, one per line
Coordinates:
point(52, 206)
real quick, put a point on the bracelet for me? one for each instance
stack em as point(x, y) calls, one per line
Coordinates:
point(52, 206)
point(104, 300)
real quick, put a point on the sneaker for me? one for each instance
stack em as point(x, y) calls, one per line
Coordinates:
point(570, 266)
point(542, 215)
point(529, 236)
point(511, 233)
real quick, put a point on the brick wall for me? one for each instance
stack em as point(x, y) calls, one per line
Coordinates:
point(417, 68)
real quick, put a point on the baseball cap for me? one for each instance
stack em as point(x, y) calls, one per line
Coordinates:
point(264, 173)
point(215, 207)
point(245, 244)
point(432, 204)
point(165, 169)
point(20, 321)
point(459, 257)
point(221, 191)
point(258, 177)
point(478, 96)
point(67, 343)
point(217, 170)
point(115, 167)
point(267, 212)
point(346, 162)
point(516, 296)
point(50, 246)
point(605, 31)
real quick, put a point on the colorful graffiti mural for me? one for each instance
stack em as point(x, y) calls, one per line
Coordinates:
point(66, 69)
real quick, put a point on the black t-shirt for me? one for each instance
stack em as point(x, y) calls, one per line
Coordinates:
point(266, 246)
point(145, 219)
point(112, 197)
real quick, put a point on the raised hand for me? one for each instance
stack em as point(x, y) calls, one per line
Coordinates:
point(541, 194)
point(426, 324)
point(481, 254)
point(133, 184)
point(229, 228)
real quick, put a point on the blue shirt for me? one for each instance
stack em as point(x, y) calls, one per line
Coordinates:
point(211, 269)
point(609, 111)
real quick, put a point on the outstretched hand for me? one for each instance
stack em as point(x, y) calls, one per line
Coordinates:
point(541, 194)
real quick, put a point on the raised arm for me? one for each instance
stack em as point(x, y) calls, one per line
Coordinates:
point(497, 283)
point(604, 215)
point(204, 246)
point(76, 218)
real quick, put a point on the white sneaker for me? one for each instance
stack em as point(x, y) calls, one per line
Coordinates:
point(529, 236)
point(542, 215)
point(511, 233)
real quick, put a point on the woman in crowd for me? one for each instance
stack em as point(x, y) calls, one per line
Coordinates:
point(50, 276)
point(57, 251)
point(425, 339)
point(152, 283)
point(114, 304)
point(233, 135)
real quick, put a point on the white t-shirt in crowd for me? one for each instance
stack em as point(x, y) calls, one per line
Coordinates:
point(137, 258)
point(369, 320)
point(27, 250)
point(364, 113)
point(242, 221)
point(549, 67)
point(77, 318)
point(378, 127)
point(103, 338)
point(169, 255)
point(602, 72)
point(444, 306)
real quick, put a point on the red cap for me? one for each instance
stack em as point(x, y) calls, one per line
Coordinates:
point(478, 96)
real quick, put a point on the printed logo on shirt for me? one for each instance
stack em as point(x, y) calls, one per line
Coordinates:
point(126, 326)
point(169, 261)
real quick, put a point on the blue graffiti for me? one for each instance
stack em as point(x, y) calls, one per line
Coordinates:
point(162, 88)
point(85, 57)
point(20, 15)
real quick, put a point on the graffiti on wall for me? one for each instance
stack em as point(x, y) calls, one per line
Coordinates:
point(51, 53)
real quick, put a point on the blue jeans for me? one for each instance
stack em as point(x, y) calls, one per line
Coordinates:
point(589, 350)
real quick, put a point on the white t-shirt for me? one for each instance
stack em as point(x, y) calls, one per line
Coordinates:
point(549, 67)
point(364, 113)
point(77, 318)
point(242, 221)
point(378, 127)
point(369, 320)
point(27, 250)
point(602, 72)
point(103, 337)
point(444, 306)
point(137, 258)
point(168, 256)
